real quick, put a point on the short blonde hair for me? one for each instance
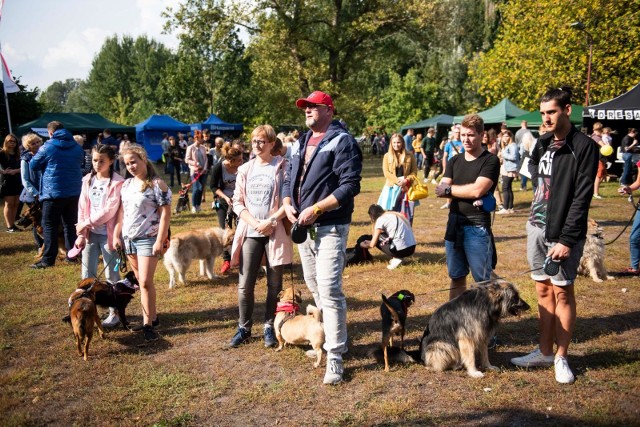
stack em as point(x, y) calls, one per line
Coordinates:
point(265, 130)
point(139, 151)
point(29, 139)
point(79, 139)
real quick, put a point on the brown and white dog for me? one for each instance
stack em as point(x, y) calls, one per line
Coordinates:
point(204, 244)
point(83, 314)
point(592, 261)
point(460, 329)
point(298, 329)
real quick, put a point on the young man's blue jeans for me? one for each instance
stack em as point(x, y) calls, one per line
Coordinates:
point(323, 261)
point(476, 254)
point(55, 211)
point(625, 179)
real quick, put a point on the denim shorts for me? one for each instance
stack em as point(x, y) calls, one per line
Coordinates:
point(476, 254)
point(537, 249)
point(140, 247)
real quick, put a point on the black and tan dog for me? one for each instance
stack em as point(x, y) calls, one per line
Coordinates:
point(461, 328)
point(393, 311)
point(109, 294)
point(83, 316)
point(33, 217)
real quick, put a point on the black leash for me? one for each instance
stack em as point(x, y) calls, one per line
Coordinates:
point(635, 210)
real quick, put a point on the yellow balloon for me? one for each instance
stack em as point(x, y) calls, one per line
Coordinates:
point(606, 150)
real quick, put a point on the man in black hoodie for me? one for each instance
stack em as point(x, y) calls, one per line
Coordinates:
point(566, 162)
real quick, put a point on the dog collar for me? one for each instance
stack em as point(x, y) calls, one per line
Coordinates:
point(287, 307)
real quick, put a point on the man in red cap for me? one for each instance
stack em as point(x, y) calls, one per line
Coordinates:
point(319, 191)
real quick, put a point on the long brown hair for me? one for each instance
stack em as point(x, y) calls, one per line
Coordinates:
point(5, 148)
point(139, 151)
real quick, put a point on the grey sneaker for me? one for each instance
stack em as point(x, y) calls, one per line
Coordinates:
point(333, 374)
point(270, 337)
point(533, 359)
point(563, 371)
point(241, 336)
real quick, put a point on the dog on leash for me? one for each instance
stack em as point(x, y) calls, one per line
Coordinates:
point(109, 294)
point(393, 311)
point(33, 217)
point(203, 244)
point(461, 328)
point(83, 315)
point(298, 329)
point(592, 261)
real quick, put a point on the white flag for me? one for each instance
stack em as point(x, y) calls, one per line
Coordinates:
point(10, 86)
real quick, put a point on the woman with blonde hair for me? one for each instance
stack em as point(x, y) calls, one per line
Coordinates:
point(510, 156)
point(10, 181)
point(142, 228)
point(30, 178)
point(257, 200)
point(417, 150)
point(397, 165)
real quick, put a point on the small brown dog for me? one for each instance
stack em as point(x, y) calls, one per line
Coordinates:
point(298, 329)
point(592, 261)
point(83, 313)
point(393, 311)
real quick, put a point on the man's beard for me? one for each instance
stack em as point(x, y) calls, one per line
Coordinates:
point(311, 122)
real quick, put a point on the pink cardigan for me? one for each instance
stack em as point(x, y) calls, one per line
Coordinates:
point(190, 158)
point(109, 213)
point(279, 248)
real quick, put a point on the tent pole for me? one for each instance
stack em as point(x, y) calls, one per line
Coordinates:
point(6, 103)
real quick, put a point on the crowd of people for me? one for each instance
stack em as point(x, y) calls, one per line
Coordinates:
point(310, 181)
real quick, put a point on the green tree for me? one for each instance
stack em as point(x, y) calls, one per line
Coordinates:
point(23, 107)
point(55, 97)
point(125, 74)
point(536, 48)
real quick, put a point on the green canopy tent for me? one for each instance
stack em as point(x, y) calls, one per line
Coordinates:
point(534, 120)
point(499, 113)
point(439, 120)
point(89, 123)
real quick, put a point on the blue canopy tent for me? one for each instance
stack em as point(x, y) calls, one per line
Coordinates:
point(217, 126)
point(149, 133)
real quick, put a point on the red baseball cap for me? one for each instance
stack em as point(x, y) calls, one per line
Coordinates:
point(316, 97)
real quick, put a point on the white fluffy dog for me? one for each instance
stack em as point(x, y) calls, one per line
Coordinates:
point(204, 244)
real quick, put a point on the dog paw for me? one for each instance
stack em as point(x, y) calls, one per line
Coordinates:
point(611, 278)
point(475, 374)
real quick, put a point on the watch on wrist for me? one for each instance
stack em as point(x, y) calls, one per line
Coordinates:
point(317, 210)
point(447, 191)
point(274, 221)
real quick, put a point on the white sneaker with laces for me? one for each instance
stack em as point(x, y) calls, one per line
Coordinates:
point(563, 371)
point(533, 359)
point(111, 321)
point(333, 374)
point(193, 209)
point(394, 263)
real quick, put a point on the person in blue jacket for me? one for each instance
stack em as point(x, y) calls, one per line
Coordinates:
point(60, 160)
point(318, 192)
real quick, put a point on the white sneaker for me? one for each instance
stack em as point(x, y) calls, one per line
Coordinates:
point(503, 212)
point(563, 372)
point(193, 209)
point(394, 263)
point(445, 206)
point(533, 359)
point(333, 374)
point(111, 321)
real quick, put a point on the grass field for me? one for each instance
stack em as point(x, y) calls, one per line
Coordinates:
point(187, 378)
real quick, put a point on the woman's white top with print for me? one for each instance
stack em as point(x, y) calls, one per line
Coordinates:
point(141, 216)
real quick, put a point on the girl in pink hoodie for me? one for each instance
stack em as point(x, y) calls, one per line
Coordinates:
point(97, 215)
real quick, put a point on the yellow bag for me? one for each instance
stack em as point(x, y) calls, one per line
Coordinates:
point(417, 190)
